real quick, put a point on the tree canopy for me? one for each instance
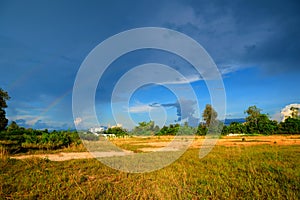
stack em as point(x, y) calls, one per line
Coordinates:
point(3, 98)
point(209, 115)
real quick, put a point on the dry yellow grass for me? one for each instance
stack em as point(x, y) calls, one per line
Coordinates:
point(154, 143)
point(3, 153)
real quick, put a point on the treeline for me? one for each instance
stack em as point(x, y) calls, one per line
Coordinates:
point(255, 123)
point(18, 139)
point(258, 123)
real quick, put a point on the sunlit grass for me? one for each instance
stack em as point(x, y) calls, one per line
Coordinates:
point(254, 172)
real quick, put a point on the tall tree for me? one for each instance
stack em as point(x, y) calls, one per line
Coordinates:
point(209, 115)
point(259, 123)
point(3, 98)
point(144, 128)
point(252, 119)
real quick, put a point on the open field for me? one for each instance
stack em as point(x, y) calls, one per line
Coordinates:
point(257, 167)
point(148, 144)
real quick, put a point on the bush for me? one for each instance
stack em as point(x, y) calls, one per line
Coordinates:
point(290, 126)
point(89, 136)
point(21, 139)
point(201, 130)
point(169, 130)
point(117, 131)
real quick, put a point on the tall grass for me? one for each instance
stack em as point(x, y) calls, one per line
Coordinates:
point(3, 152)
point(255, 172)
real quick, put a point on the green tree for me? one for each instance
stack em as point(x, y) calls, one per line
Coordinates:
point(3, 98)
point(156, 129)
point(13, 127)
point(236, 127)
point(252, 118)
point(169, 130)
point(259, 123)
point(202, 129)
point(266, 126)
point(225, 130)
point(186, 129)
point(117, 131)
point(209, 115)
point(145, 128)
point(213, 125)
point(290, 126)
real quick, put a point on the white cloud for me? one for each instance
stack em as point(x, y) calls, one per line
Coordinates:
point(140, 109)
point(77, 121)
point(227, 69)
point(286, 111)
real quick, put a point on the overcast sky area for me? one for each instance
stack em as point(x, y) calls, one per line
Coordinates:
point(255, 45)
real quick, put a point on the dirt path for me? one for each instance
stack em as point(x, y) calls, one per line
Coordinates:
point(74, 155)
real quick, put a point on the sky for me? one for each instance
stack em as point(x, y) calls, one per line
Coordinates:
point(43, 44)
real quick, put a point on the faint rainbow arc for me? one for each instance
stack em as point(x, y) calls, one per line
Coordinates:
point(22, 78)
point(52, 104)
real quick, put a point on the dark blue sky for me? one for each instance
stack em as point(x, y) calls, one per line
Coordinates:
point(255, 45)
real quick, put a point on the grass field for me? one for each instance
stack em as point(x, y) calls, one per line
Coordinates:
point(240, 171)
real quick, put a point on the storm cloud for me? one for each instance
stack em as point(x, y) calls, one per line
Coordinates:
point(186, 110)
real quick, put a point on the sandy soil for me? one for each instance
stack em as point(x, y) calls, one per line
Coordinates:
point(166, 146)
point(74, 155)
point(232, 141)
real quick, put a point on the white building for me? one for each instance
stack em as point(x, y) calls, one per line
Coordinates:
point(98, 130)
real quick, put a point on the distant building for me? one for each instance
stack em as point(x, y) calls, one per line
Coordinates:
point(98, 130)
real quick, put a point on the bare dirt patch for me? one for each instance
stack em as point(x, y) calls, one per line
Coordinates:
point(253, 140)
point(154, 144)
point(233, 141)
point(74, 155)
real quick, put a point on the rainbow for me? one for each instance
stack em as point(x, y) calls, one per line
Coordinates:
point(22, 78)
point(53, 104)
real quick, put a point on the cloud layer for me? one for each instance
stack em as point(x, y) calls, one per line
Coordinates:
point(186, 110)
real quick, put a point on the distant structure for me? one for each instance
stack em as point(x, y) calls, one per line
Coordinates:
point(290, 111)
point(98, 130)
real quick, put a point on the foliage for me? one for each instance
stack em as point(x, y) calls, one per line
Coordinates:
point(13, 127)
point(202, 129)
point(88, 136)
point(252, 119)
point(3, 98)
point(145, 128)
point(117, 131)
point(19, 139)
point(209, 115)
point(176, 129)
point(235, 127)
point(186, 130)
point(257, 123)
point(169, 130)
point(290, 126)
point(266, 126)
